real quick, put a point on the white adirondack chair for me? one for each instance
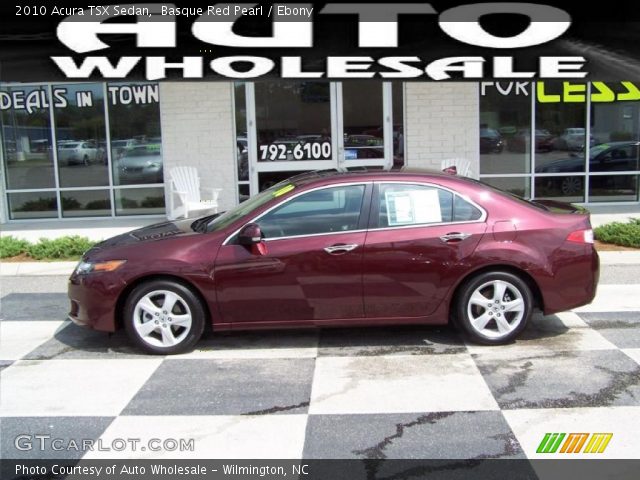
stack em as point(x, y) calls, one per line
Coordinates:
point(463, 166)
point(185, 184)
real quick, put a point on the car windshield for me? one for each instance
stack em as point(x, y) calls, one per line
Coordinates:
point(488, 132)
point(245, 208)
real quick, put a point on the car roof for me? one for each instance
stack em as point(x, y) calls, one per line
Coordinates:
point(367, 174)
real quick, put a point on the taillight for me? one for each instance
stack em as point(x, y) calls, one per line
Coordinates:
point(581, 236)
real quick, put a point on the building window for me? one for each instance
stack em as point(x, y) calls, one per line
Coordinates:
point(81, 173)
point(293, 121)
point(572, 122)
point(398, 124)
point(26, 138)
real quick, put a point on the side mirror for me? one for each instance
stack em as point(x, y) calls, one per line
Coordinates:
point(250, 235)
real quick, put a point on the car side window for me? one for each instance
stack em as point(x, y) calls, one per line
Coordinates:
point(405, 204)
point(334, 209)
point(463, 211)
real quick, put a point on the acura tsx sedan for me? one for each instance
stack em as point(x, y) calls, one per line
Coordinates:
point(329, 249)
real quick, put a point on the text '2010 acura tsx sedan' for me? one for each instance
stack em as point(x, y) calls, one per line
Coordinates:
point(343, 249)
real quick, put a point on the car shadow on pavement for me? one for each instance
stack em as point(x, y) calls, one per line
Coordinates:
point(72, 341)
point(75, 342)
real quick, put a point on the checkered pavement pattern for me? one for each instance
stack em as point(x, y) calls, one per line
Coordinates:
point(410, 392)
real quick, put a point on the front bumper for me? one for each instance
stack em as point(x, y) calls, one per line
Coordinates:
point(94, 299)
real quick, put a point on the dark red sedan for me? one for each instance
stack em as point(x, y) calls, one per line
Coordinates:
point(331, 249)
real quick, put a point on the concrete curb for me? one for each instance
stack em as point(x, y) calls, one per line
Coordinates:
point(19, 269)
point(620, 257)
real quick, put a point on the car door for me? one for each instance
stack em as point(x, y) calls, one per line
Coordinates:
point(312, 268)
point(416, 246)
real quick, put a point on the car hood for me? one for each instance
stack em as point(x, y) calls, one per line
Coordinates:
point(563, 164)
point(154, 232)
point(140, 160)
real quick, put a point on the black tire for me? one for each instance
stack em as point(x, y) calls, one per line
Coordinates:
point(464, 308)
point(186, 298)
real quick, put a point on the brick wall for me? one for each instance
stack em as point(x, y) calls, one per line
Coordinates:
point(197, 130)
point(442, 122)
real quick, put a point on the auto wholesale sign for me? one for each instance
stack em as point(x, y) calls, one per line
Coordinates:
point(386, 41)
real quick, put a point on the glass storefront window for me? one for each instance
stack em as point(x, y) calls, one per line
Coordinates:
point(242, 142)
point(86, 203)
point(32, 205)
point(505, 131)
point(80, 135)
point(293, 121)
point(79, 113)
point(26, 137)
point(565, 122)
point(520, 186)
point(362, 120)
point(139, 201)
point(613, 188)
point(398, 124)
point(564, 188)
point(564, 141)
point(136, 146)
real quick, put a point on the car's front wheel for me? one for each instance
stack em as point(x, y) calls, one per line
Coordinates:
point(494, 307)
point(164, 317)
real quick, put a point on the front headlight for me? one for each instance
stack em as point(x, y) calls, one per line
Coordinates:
point(84, 268)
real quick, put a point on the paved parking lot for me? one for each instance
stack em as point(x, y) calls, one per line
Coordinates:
point(413, 392)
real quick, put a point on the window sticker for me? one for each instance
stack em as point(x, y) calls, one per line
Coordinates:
point(413, 207)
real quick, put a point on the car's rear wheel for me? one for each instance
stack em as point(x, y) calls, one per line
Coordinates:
point(494, 307)
point(164, 317)
point(571, 185)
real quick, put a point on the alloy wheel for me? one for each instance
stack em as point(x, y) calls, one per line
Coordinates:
point(495, 309)
point(162, 318)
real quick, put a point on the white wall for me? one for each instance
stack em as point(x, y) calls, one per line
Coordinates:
point(442, 122)
point(197, 130)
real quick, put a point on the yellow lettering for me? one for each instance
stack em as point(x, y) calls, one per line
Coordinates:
point(542, 95)
point(632, 92)
point(574, 93)
point(605, 94)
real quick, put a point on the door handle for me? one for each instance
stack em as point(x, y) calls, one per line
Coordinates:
point(454, 237)
point(338, 249)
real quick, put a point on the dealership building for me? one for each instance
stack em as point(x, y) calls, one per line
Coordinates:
point(105, 151)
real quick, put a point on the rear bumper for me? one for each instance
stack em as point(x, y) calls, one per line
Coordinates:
point(575, 279)
point(93, 299)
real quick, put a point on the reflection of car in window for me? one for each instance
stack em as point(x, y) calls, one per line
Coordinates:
point(141, 164)
point(522, 139)
point(490, 141)
point(573, 139)
point(119, 147)
point(78, 153)
point(606, 157)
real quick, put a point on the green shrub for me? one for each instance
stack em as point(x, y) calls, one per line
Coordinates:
point(11, 246)
point(59, 248)
point(618, 233)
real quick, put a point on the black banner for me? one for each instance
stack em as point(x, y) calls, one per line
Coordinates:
point(324, 41)
point(368, 469)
